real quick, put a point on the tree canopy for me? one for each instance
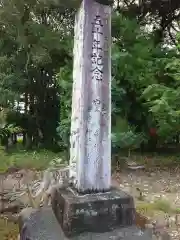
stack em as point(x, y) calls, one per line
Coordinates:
point(36, 55)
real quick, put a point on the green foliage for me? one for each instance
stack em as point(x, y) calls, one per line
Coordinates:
point(162, 99)
point(162, 205)
point(141, 75)
point(134, 67)
point(125, 137)
point(64, 81)
point(127, 140)
point(63, 130)
point(21, 159)
point(36, 56)
point(13, 129)
point(150, 208)
point(7, 131)
point(145, 84)
point(34, 45)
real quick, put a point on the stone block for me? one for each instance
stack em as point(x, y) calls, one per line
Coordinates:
point(42, 225)
point(92, 212)
point(127, 233)
point(39, 224)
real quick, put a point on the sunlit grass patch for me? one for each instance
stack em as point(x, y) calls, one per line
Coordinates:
point(162, 205)
point(8, 230)
point(37, 159)
point(148, 209)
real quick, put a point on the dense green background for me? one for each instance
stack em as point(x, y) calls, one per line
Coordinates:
point(36, 67)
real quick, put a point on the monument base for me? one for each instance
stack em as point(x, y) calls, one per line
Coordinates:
point(41, 224)
point(98, 213)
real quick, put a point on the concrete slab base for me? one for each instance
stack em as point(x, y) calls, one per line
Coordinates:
point(100, 212)
point(42, 225)
point(39, 224)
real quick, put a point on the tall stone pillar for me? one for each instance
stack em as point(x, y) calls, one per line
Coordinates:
point(105, 215)
point(90, 153)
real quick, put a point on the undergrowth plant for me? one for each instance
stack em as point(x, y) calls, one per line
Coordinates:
point(125, 137)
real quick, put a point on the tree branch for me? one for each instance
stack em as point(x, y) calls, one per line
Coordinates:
point(171, 36)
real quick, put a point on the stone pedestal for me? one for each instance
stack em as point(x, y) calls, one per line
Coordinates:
point(41, 224)
point(98, 213)
point(106, 216)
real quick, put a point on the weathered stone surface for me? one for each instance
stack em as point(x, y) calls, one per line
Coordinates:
point(39, 224)
point(90, 152)
point(42, 225)
point(128, 233)
point(92, 212)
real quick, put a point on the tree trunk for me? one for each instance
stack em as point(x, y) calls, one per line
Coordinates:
point(24, 138)
point(14, 138)
point(29, 142)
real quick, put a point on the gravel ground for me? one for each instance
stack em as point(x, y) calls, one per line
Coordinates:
point(158, 185)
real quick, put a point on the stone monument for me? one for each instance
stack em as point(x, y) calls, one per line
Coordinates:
point(90, 153)
point(90, 208)
point(90, 204)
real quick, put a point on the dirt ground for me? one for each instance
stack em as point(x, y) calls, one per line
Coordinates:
point(156, 195)
point(160, 195)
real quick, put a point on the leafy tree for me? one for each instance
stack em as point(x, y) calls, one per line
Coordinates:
point(160, 17)
point(34, 36)
point(64, 80)
point(36, 69)
point(125, 137)
point(134, 68)
point(162, 98)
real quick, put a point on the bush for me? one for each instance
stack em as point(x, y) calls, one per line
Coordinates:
point(125, 137)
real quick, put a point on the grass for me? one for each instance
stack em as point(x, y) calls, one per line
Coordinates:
point(36, 159)
point(148, 209)
point(177, 210)
point(22, 159)
point(145, 209)
point(163, 206)
point(39, 160)
point(8, 230)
